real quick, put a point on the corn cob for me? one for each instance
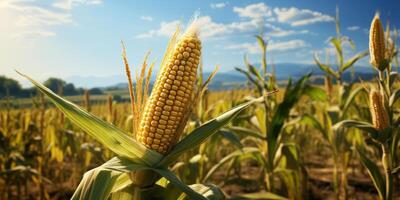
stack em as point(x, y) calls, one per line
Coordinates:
point(377, 44)
point(380, 118)
point(170, 98)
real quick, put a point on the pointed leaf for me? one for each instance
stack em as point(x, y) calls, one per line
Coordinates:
point(339, 52)
point(246, 150)
point(209, 191)
point(246, 132)
point(395, 96)
point(260, 196)
point(179, 184)
point(353, 60)
point(313, 122)
point(127, 193)
point(112, 137)
point(326, 68)
point(232, 138)
point(374, 173)
point(122, 181)
point(200, 134)
point(252, 69)
point(291, 97)
point(366, 127)
point(316, 93)
point(99, 182)
point(350, 98)
point(250, 78)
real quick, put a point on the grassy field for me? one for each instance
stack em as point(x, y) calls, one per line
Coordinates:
point(122, 95)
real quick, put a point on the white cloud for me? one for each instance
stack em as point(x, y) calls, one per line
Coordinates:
point(69, 4)
point(147, 18)
point(353, 28)
point(287, 45)
point(280, 46)
point(31, 18)
point(39, 33)
point(283, 33)
point(251, 48)
point(209, 28)
point(293, 16)
point(253, 16)
point(31, 15)
point(258, 10)
point(217, 5)
point(297, 17)
point(166, 29)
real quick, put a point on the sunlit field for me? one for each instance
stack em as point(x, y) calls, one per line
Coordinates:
point(178, 127)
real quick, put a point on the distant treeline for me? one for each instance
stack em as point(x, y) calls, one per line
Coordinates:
point(12, 88)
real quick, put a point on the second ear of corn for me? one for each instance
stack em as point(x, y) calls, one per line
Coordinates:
point(377, 44)
point(171, 96)
point(380, 118)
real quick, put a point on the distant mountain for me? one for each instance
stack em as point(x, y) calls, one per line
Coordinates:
point(228, 79)
point(285, 70)
point(95, 81)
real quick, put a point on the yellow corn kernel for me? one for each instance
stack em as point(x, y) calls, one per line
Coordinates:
point(380, 118)
point(166, 100)
point(377, 44)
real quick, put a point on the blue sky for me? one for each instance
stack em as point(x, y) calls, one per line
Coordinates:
point(64, 38)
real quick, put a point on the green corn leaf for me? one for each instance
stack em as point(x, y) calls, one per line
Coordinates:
point(350, 99)
point(315, 93)
point(179, 184)
point(96, 184)
point(250, 78)
point(393, 77)
point(325, 68)
point(200, 134)
point(395, 96)
point(127, 193)
point(313, 122)
point(100, 182)
point(259, 196)
point(291, 155)
point(263, 46)
point(235, 154)
point(292, 95)
point(231, 137)
point(252, 69)
point(209, 191)
point(396, 170)
point(122, 181)
point(112, 137)
point(373, 171)
point(261, 42)
point(353, 60)
point(338, 46)
point(366, 127)
point(246, 132)
point(110, 177)
point(350, 41)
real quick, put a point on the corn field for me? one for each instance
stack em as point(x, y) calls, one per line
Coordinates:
point(181, 140)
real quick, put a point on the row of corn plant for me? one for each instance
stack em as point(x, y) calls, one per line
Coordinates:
point(332, 111)
point(266, 139)
point(383, 131)
point(139, 169)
